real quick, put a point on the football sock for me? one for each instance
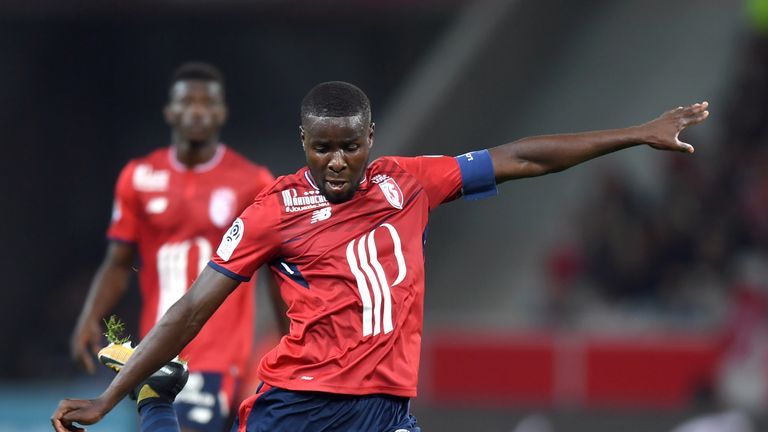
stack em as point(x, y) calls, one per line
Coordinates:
point(158, 416)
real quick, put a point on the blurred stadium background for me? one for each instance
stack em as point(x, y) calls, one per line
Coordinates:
point(627, 294)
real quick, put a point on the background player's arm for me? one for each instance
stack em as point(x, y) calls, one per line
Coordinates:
point(546, 154)
point(176, 329)
point(107, 287)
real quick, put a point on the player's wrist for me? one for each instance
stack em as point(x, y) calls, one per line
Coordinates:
point(102, 406)
point(111, 397)
point(643, 134)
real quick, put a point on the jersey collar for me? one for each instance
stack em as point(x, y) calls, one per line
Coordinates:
point(200, 168)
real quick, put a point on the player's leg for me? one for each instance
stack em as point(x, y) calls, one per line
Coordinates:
point(158, 416)
point(154, 396)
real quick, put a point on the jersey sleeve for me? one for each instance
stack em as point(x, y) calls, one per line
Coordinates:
point(438, 175)
point(445, 178)
point(252, 240)
point(126, 208)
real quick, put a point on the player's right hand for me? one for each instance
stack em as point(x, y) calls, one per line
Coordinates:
point(85, 343)
point(663, 132)
point(84, 412)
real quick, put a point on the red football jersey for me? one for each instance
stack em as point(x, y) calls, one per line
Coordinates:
point(175, 216)
point(352, 274)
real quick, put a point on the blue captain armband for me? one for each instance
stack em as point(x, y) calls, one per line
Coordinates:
point(477, 178)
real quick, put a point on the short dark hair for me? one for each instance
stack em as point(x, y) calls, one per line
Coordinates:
point(336, 99)
point(197, 71)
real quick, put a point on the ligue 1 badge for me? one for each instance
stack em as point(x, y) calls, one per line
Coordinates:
point(391, 190)
point(230, 240)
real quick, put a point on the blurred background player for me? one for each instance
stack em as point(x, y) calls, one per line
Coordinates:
point(172, 206)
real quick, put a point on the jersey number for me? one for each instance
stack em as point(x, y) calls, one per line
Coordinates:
point(172, 270)
point(363, 260)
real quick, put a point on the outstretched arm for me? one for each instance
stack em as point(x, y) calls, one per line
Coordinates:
point(546, 154)
point(173, 332)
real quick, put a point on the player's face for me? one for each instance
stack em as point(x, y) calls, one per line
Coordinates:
point(337, 150)
point(196, 109)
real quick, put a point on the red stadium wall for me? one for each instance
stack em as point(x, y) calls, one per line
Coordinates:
point(653, 371)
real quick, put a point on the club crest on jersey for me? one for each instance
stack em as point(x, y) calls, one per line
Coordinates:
point(230, 240)
point(308, 200)
point(221, 209)
point(391, 190)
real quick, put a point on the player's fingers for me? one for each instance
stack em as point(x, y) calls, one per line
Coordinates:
point(73, 416)
point(693, 110)
point(57, 426)
point(695, 118)
point(74, 352)
point(697, 107)
point(57, 419)
point(685, 147)
point(76, 347)
point(95, 346)
point(701, 117)
point(701, 106)
point(87, 362)
point(84, 412)
point(56, 423)
point(60, 426)
point(80, 416)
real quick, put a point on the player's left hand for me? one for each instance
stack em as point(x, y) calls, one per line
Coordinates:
point(662, 133)
point(69, 411)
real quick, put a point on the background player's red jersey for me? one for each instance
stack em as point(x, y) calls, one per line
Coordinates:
point(176, 216)
point(352, 274)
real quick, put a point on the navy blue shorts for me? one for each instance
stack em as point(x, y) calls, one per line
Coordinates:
point(274, 409)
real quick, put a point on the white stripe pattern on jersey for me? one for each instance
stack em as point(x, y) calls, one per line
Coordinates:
point(368, 271)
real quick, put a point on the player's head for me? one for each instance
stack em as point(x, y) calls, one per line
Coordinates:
point(337, 135)
point(196, 110)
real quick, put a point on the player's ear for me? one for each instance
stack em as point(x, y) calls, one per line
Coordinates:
point(370, 132)
point(301, 136)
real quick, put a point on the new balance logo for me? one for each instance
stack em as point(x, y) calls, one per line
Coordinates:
point(321, 215)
